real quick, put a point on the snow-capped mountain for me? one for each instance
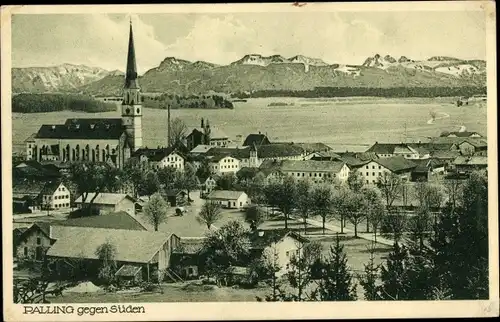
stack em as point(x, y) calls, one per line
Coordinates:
point(55, 78)
point(257, 59)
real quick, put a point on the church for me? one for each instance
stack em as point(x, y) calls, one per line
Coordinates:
point(110, 140)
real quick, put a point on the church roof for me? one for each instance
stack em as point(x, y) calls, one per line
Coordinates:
point(92, 128)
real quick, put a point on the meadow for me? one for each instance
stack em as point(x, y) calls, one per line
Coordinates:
point(352, 123)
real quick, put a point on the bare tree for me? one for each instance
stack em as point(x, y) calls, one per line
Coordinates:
point(390, 185)
point(178, 130)
point(210, 212)
point(156, 210)
point(375, 211)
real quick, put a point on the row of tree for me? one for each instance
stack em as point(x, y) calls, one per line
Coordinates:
point(369, 91)
point(40, 103)
point(192, 101)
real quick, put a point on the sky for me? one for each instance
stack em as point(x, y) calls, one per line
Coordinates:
point(100, 40)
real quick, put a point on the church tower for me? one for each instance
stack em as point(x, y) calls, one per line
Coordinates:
point(131, 105)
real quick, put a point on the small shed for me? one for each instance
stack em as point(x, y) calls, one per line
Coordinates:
point(175, 197)
point(129, 274)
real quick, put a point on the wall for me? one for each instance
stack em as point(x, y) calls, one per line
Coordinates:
point(286, 249)
point(174, 160)
point(372, 171)
point(225, 165)
point(60, 199)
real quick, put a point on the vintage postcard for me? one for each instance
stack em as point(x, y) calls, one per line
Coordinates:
point(249, 161)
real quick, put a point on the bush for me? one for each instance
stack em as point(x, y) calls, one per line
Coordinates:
point(40, 103)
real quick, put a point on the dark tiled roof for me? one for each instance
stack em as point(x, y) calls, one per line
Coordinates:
point(190, 246)
point(386, 148)
point(314, 147)
point(311, 165)
point(115, 220)
point(154, 154)
point(257, 139)
point(33, 187)
point(445, 154)
point(396, 164)
point(92, 128)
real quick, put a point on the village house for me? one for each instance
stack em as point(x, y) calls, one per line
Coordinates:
point(160, 158)
point(388, 150)
point(224, 164)
point(280, 244)
point(467, 164)
point(38, 195)
point(316, 171)
point(106, 203)
point(35, 170)
point(229, 199)
point(466, 146)
point(185, 259)
point(426, 168)
point(33, 242)
point(208, 185)
point(376, 168)
point(147, 251)
point(175, 197)
point(109, 140)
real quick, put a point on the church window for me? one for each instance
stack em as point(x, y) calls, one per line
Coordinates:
point(138, 111)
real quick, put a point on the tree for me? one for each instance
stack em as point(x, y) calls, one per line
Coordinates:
point(394, 223)
point(133, 174)
point(156, 210)
point(270, 259)
point(178, 130)
point(203, 171)
point(453, 189)
point(322, 200)
point(354, 206)
point(226, 181)
point(166, 176)
point(395, 283)
point(227, 246)
point(106, 253)
point(375, 211)
point(285, 197)
point(430, 197)
point(336, 283)
point(210, 212)
point(305, 201)
point(355, 181)
point(255, 217)
point(187, 180)
point(299, 276)
point(390, 185)
point(93, 178)
point(369, 279)
point(150, 184)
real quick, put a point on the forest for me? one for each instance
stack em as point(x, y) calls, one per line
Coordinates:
point(317, 92)
point(41, 103)
point(192, 101)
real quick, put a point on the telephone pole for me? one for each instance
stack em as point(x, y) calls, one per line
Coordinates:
point(168, 125)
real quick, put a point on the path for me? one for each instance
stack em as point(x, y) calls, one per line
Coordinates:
point(335, 228)
point(443, 116)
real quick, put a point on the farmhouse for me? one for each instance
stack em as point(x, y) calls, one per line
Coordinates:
point(224, 164)
point(106, 203)
point(33, 242)
point(229, 199)
point(95, 139)
point(316, 171)
point(147, 251)
point(256, 139)
point(387, 150)
point(397, 165)
point(160, 158)
point(207, 136)
point(460, 134)
point(466, 164)
point(280, 244)
point(41, 195)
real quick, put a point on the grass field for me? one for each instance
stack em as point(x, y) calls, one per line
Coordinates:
point(340, 122)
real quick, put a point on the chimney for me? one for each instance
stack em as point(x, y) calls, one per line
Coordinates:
point(259, 132)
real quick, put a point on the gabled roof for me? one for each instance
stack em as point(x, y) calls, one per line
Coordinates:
point(44, 227)
point(257, 139)
point(311, 165)
point(219, 157)
point(114, 220)
point(201, 148)
point(34, 187)
point(225, 194)
point(93, 128)
point(464, 134)
point(313, 147)
point(105, 198)
point(445, 154)
point(190, 246)
point(396, 164)
point(387, 148)
point(131, 245)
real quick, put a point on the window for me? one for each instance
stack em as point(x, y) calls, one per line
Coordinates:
point(367, 167)
point(287, 254)
point(373, 173)
point(367, 174)
point(367, 181)
point(373, 167)
point(38, 240)
point(379, 167)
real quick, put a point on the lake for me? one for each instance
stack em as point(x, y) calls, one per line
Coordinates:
point(352, 123)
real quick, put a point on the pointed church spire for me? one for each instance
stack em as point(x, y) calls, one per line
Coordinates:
point(131, 72)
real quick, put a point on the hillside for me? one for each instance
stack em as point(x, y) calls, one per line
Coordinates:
point(259, 73)
point(63, 77)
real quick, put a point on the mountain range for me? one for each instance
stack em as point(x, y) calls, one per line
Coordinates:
point(256, 72)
